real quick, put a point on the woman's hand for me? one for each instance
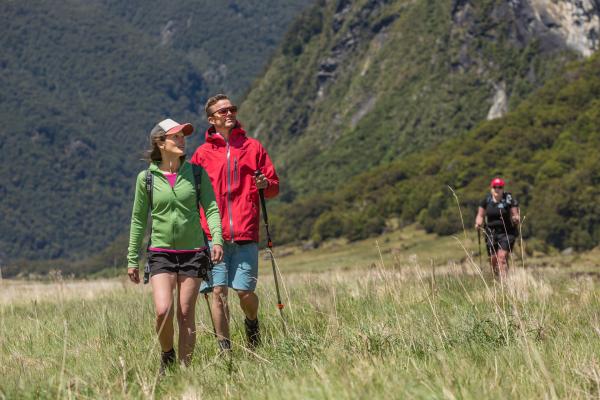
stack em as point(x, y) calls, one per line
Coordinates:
point(217, 253)
point(134, 275)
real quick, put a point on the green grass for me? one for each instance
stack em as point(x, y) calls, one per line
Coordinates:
point(357, 327)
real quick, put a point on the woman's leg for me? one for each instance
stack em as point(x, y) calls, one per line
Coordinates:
point(494, 263)
point(186, 317)
point(163, 285)
point(502, 262)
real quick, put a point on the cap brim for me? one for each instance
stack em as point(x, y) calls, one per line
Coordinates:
point(187, 129)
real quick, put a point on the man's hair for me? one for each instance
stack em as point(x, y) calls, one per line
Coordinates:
point(212, 101)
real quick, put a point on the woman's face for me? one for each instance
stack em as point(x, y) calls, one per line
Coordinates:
point(174, 144)
point(497, 190)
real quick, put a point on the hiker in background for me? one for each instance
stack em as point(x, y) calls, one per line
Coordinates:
point(499, 216)
point(177, 256)
point(231, 160)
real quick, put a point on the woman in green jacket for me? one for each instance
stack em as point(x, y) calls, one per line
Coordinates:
point(176, 252)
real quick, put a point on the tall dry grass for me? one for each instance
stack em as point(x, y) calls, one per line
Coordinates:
point(396, 329)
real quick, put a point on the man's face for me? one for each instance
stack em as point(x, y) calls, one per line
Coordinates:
point(223, 114)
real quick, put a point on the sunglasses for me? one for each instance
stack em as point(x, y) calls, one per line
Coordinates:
point(226, 110)
point(497, 187)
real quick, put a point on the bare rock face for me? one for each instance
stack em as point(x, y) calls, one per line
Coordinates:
point(167, 32)
point(577, 22)
point(499, 103)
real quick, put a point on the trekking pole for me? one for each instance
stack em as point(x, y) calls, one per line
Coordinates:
point(280, 305)
point(212, 321)
point(479, 240)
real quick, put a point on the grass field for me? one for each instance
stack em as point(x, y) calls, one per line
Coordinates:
point(408, 315)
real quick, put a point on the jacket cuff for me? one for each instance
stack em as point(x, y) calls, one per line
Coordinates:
point(218, 241)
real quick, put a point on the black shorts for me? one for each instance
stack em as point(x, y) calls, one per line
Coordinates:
point(499, 241)
point(195, 265)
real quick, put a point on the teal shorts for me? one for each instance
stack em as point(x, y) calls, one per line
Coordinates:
point(238, 270)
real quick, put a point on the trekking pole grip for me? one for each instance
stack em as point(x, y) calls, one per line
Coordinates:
point(261, 193)
point(263, 206)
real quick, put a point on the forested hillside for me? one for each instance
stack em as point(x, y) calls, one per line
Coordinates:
point(547, 149)
point(82, 85)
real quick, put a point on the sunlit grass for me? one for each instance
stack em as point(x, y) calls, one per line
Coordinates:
point(371, 320)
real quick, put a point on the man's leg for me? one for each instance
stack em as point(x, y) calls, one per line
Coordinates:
point(245, 275)
point(220, 312)
point(186, 316)
point(218, 282)
point(248, 303)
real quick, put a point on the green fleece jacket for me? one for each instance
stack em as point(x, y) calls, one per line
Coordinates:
point(175, 218)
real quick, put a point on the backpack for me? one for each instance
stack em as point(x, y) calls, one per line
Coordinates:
point(506, 199)
point(197, 170)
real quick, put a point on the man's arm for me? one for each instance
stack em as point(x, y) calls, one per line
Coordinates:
point(265, 165)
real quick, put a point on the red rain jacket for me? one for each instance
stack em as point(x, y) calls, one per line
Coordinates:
point(230, 166)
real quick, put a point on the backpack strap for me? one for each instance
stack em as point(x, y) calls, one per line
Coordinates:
point(197, 169)
point(149, 187)
point(508, 199)
point(149, 190)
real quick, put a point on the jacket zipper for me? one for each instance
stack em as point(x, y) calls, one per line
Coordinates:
point(229, 201)
point(235, 171)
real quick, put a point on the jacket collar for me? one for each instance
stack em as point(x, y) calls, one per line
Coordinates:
point(154, 166)
point(212, 136)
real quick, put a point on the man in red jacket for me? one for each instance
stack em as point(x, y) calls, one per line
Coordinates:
point(231, 159)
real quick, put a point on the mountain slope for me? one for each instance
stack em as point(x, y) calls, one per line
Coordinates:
point(360, 84)
point(547, 149)
point(230, 42)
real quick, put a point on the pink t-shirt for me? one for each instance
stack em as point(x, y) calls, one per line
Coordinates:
point(172, 178)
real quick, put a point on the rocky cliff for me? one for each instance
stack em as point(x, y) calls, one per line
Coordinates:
point(361, 83)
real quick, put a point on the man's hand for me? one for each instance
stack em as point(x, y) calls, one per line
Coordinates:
point(261, 181)
point(216, 254)
point(134, 275)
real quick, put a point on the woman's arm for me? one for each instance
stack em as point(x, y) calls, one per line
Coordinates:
point(479, 218)
point(139, 218)
point(211, 209)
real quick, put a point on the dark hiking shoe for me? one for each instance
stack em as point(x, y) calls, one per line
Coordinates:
point(252, 332)
point(167, 361)
point(224, 345)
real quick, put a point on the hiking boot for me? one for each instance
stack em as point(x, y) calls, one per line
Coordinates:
point(224, 345)
point(167, 361)
point(252, 332)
